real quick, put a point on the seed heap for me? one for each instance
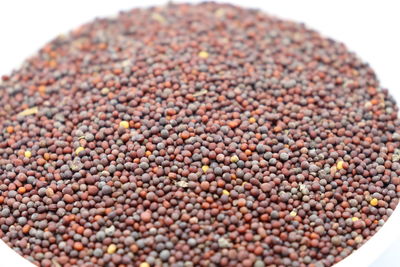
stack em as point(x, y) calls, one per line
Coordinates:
point(204, 135)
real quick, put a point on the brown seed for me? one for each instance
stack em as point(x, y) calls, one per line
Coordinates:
point(41, 161)
point(92, 190)
point(185, 135)
point(146, 216)
point(205, 185)
point(68, 198)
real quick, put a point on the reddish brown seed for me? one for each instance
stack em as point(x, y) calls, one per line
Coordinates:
point(41, 161)
point(185, 135)
point(241, 202)
point(233, 124)
point(205, 185)
point(78, 246)
point(134, 248)
point(68, 198)
point(26, 228)
point(146, 216)
point(92, 190)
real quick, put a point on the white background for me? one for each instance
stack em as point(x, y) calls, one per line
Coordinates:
point(370, 28)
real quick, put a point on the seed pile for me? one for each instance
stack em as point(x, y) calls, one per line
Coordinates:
point(205, 135)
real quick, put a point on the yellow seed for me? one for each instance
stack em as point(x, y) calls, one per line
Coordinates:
point(111, 249)
point(374, 202)
point(29, 111)
point(158, 17)
point(79, 150)
point(339, 165)
point(200, 93)
point(252, 120)
point(27, 154)
point(293, 213)
point(144, 264)
point(358, 239)
point(220, 12)
point(225, 192)
point(124, 124)
point(234, 159)
point(354, 219)
point(203, 54)
point(105, 91)
point(49, 192)
point(205, 168)
point(244, 183)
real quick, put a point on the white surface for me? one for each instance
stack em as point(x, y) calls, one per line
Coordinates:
point(370, 28)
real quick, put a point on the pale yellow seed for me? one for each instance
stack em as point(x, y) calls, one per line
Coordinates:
point(234, 159)
point(28, 154)
point(374, 202)
point(79, 150)
point(225, 192)
point(203, 54)
point(55, 263)
point(124, 124)
point(293, 213)
point(205, 168)
point(200, 93)
point(252, 120)
point(111, 249)
point(219, 13)
point(158, 17)
point(144, 264)
point(339, 165)
point(244, 183)
point(29, 111)
point(105, 91)
point(49, 192)
point(358, 239)
point(354, 219)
